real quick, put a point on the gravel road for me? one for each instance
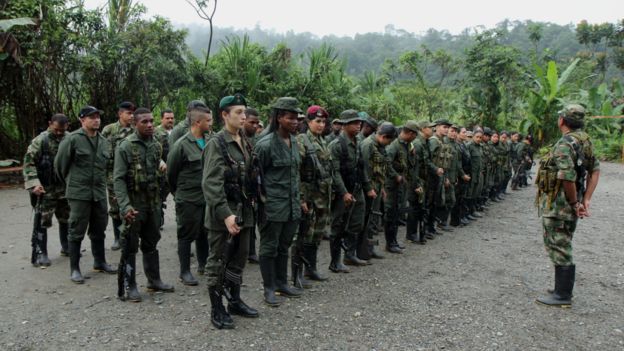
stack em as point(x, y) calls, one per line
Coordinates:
point(472, 289)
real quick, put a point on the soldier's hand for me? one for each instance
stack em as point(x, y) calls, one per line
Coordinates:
point(384, 195)
point(447, 183)
point(163, 167)
point(419, 190)
point(466, 178)
point(372, 194)
point(440, 172)
point(399, 179)
point(586, 204)
point(38, 190)
point(130, 216)
point(348, 199)
point(231, 225)
point(304, 207)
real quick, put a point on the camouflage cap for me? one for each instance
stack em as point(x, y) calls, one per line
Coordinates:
point(443, 121)
point(370, 121)
point(287, 104)
point(573, 111)
point(387, 128)
point(487, 131)
point(456, 127)
point(349, 116)
point(232, 100)
point(469, 133)
point(412, 125)
point(336, 121)
point(425, 124)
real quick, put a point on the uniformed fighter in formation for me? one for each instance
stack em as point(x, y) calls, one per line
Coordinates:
point(299, 181)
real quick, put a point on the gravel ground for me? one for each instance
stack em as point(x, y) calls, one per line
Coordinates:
point(472, 289)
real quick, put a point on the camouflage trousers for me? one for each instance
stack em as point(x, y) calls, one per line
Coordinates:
point(317, 227)
point(558, 235)
point(113, 207)
point(51, 206)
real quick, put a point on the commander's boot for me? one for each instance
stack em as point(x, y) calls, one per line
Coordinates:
point(296, 265)
point(74, 262)
point(151, 266)
point(335, 250)
point(267, 269)
point(99, 259)
point(63, 232)
point(219, 317)
point(42, 259)
point(132, 294)
point(310, 252)
point(237, 306)
point(184, 254)
point(281, 278)
point(564, 284)
point(116, 232)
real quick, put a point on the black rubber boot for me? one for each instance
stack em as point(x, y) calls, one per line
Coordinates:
point(42, 259)
point(63, 232)
point(202, 249)
point(99, 259)
point(219, 317)
point(132, 293)
point(184, 254)
point(335, 250)
point(237, 306)
point(391, 244)
point(117, 233)
point(74, 262)
point(252, 257)
point(310, 252)
point(151, 266)
point(281, 278)
point(267, 269)
point(564, 284)
point(351, 258)
point(296, 266)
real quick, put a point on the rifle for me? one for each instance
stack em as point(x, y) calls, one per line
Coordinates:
point(124, 270)
point(356, 188)
point(37, 233)
point(298, 258)
point(227, 277)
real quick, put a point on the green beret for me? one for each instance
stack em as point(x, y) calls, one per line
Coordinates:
point(412, 125)
point(349, 116)
point(232, 100)
point(443, 121)
point(425, 124)
point(573, 111)
point(287, 104)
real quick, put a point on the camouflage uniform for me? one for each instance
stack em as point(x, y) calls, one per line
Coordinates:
point(423, 157)
point(476, 174)
point(162, 136)
point(442, 156)
point(375, 165)
point(53, 201)
point(400, 156)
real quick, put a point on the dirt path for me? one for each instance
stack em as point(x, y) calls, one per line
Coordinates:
point(472, 289)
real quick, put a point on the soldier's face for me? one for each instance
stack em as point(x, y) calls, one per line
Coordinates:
point(205, 124)
point(58, 129)
point(145, 125)
point(452, 133)
point(288, 121)
point(495, 138)
point(352, 128)
point(462, 134)
point(427, 132)
point(503, 138)
point(167, 120)
point(478, 138)
point(251, 124)
point(514, 137)
point(367, 129)
point(336, 127)
point(235, 117)
point(126, 117)
point(317, 125)
point(442, 129)
point(91, 122)
point(485, 138)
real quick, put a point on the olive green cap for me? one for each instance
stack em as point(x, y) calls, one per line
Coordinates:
point(573, 111)
point(287, 104)
point(425, 124)
point(349, 116)
point(412, 125)
point(443, 121)
point(336, 120)
point(456, 127)
point(232, 100)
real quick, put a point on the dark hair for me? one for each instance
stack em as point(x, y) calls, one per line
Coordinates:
point(59, 118)
point(572, 123)
point(167, 110)
point(251, 112)
point(141, 111)
point(275, 115)
point(126, 106)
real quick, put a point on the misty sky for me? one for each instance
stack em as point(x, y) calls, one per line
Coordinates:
point(348, 17)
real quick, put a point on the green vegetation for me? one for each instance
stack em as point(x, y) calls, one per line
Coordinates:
point(57, 56)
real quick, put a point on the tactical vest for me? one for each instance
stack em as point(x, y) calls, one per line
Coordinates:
point(444, 154)
point(312, 169)
point(349, 171)
point(238, 178)
point(143, 183)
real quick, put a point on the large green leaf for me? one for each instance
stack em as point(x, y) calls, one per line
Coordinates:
point(7, 24)
point(564, 76)
point(553, 80)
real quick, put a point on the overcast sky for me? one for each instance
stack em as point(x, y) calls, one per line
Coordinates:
point(348, 17)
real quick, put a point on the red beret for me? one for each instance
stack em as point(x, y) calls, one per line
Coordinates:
point(315, 111)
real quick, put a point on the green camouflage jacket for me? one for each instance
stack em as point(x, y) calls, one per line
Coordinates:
point(352, 171)
point(32, 157)
point(316, 186)
point(375, 163)
point(115, 134)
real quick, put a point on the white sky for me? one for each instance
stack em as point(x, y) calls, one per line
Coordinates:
point(348, 17)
